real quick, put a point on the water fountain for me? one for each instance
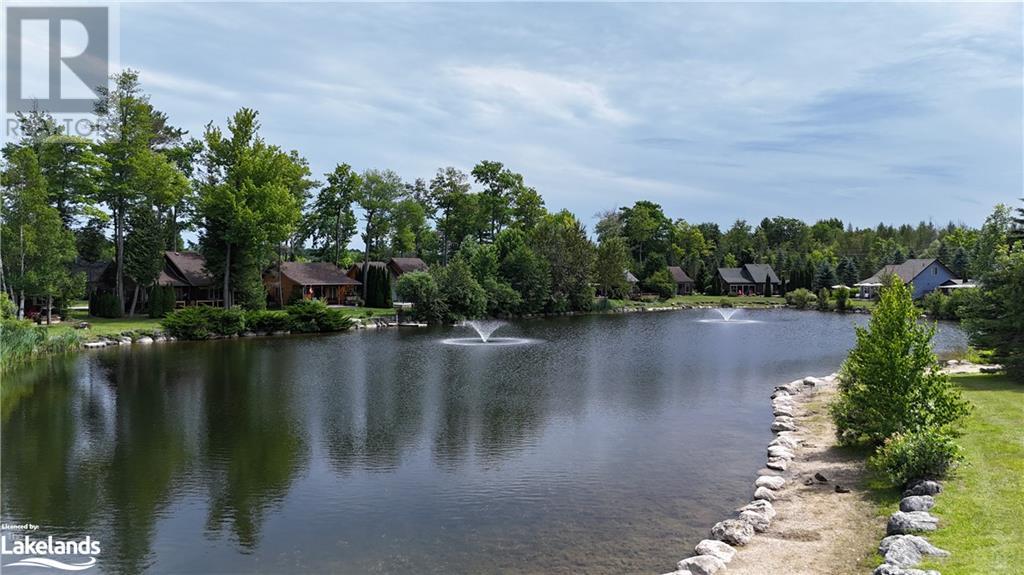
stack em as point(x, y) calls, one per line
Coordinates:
point(726, 313)
point(725, 316)
point(484, 330)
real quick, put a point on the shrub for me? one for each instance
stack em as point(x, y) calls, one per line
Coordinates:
point(420, 289)
point(724, 303)
point(266, 320)
point(312, 316)
point(823, 303)
point(105, 305)
point(801, 298)
point(19, 340)
point(189, 323)
point(226, 322)
point(461, 292)
point(922, 454)
point(842, 297)
point(7, 308)
point(661, 283)
point(890, 382)
point(161, 301)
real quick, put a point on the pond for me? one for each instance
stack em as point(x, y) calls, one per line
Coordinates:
point(600, 444)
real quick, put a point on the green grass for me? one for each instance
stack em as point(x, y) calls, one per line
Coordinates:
point(362, 312)
point(981, 508)
point(100, 326)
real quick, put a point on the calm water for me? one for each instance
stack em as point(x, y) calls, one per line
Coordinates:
point(610, 446)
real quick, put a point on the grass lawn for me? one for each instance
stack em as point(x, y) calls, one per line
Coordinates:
point(981, 508)
point(106, 326)
point(362, 312)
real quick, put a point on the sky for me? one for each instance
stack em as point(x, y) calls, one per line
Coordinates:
point(867, 112)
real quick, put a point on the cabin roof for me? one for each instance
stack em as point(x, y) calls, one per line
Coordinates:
point(189, 267)
point(906, 271)
point(679, 275)
point(406, 265)
point(316, 274)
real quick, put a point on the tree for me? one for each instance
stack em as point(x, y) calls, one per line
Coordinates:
point(524, 270)
point(39, 247)
point(248, 204)
point(448, 196)
point(610, 267)
point(891, 383)
point(377, 196)
point(420, 289)
point(824, 276)
point(847, 271)
point(503, 189)
point(961, 263)
point(661, 283)
point(562, 241)
point(994, 313)
point(993, 235)
point(646, 229)
point(463, 296)
point(409, 230)
point(143, 251)
point(330, 221)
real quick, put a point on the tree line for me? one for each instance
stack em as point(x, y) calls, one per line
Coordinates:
point(493, 246)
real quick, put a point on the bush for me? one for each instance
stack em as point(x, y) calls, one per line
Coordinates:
point(190, 322)
point(105, 305)
point(266, 321)
point(420, 289)
point(823, 303)
point(19, 340)
point(922, 454)
point(7, 308)
point(842, 297)
point(161, 301)
point(313, 316)
point(801, 298)
point(890, 382)
point(226, 322)
point(661, 283)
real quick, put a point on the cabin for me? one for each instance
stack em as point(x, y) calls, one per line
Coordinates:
point(193, 284)
point(290, 281)
point(950, 286)
point(684, 285)
point(396, 268)
point(749, 279)
point(924, 275)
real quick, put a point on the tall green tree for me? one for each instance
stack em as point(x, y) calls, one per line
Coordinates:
point(249, 203)
point(449, 197)
point(994, 313)
point(646, 229)
point(330, 221)
point(610, 267)
point(562, 241)
point(380, 191)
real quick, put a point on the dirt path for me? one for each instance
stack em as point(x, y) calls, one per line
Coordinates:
point(817, 531)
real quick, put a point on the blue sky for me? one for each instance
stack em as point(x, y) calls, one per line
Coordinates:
point(867, 112)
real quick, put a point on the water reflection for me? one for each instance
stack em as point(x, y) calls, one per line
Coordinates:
point(605, 449)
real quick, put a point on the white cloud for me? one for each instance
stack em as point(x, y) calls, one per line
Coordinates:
point(546, 94)
point(184, 85)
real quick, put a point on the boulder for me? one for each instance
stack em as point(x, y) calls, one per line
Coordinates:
point(908, 550)
point(903, 522)
point(761, 506)
point(733, 532)
point(144, 340)
point(782, 410)
point(781, 392)
point(248, 334)
point(785, 441)
point(701, 565)
point(773, 482)
point(159, 338)
point(759, 522)
point(890, 569)
point(783, 423)
point(926, 487)
point(764, 493)
point(777, 463)
point(917, 503)
point(124, 340)
point(780, 452)
point(719, 549)
point(990, 368)
point(813, 382)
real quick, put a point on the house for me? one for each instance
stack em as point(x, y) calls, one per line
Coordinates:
point(924, 275)
point(193, 284)
point(325, 281)
point(684, 285)
point(950, 286)
point(396, 267)
point(749, 279)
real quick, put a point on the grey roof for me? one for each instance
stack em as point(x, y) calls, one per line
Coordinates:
point(316, 274)
point(630, 278)
point(679, 275)
point(749, 274)
point(406, 265)
point(906, 271)
point(190, 268)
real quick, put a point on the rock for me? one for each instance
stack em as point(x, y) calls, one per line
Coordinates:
point(733, 531)
point(248, 334)
point(990, 368)
point(783, 423)
point(785, 441)
point(279, 333)
point(813, 382)
point(903, 522)
point(124, 340)
point(917, 503)
point(781, 392)
point(144, 340)
point(908, 550)
point(780, 452)
point(809, 481)
point(841, 489)
point(782, 410)
point(719, 549)
point(759, 522)
point(778, 464)
point(701, 565)
point(764, 493)
point(923, 488)
point(773, 482)
point(159, 338)
point(761, 506)
point(820, 477)
point(889, 569)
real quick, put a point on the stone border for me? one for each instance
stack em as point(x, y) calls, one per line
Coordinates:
point(713, 554)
